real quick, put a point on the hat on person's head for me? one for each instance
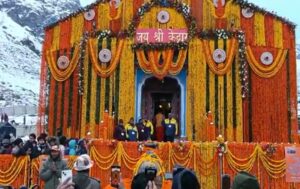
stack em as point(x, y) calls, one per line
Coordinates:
point(55, 148)
point(244, 180)
point(83, 162)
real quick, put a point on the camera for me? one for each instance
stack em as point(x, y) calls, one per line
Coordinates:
point(150, 173)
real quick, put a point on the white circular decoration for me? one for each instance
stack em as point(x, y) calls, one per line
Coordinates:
point(216, 3)
point(105, 55)
point(219, 55)
point(163, 17)
point(247, 12)
point(89, 15)
point(115, 3)
point(266, 58)
point(63, 62)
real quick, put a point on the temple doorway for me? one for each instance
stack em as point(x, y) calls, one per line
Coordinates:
point(160, 96)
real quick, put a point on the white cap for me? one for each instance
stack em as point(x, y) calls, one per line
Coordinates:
point(83, 162)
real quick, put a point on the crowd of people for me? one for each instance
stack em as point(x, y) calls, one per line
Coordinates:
point(181, 178)
point(42, 145)
point(54, 165)
point(143, 130)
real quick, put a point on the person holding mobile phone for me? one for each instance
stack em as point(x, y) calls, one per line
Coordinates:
point(82, 180)
point(116, 181)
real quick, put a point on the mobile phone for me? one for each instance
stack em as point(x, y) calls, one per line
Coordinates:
point(150, 173)
point(169, 176)
point(65, 174)
point(115, 176)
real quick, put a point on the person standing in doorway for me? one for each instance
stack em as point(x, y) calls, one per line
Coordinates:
point(171, 128)
point(159, 118)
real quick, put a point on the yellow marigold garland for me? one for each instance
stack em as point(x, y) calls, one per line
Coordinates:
point(278, 34)
point(275, 168)
point(103, 71)
point(220, 69)
point(56, 38)
point(103, 11)
point(259, 25)
point(266, 71)
point(104, 160)
point(58, 74)
point(127, 84)
point(152, 65)
point(8, 176)
point(77, 29)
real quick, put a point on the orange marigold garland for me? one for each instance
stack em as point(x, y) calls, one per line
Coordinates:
point(58, 74)
point(263, 70)
point(220, 69)
point(105, 71)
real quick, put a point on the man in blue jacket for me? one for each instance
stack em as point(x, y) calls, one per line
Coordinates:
point(171, 128)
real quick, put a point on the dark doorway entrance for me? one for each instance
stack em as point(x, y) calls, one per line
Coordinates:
point(160, 95)
point(162, 102)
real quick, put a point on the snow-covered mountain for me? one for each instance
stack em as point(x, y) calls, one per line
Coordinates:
point(21, 35)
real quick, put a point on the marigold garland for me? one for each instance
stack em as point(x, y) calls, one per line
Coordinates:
point(101, 70)
point(153, 158)
point(58, 74)
point(7, 177)
point(278, 35)
point(266, 71)
point(259, 32)
point(127, 83)
point(152, 64)
point(220, 69)
point(274, 168)
point(77, 29)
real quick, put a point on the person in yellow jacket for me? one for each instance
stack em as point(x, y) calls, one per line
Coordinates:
point(149, 127)
point(131, 131)
point(171, 128)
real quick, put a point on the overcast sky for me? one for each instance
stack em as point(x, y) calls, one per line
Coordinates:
point(281, 7)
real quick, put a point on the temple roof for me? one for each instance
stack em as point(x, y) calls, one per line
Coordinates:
point(242, 3)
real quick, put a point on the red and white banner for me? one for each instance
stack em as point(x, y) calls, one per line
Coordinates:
point(292, 157)
point(161, 35)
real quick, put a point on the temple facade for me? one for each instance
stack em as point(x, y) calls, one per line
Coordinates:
point(225, 64)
